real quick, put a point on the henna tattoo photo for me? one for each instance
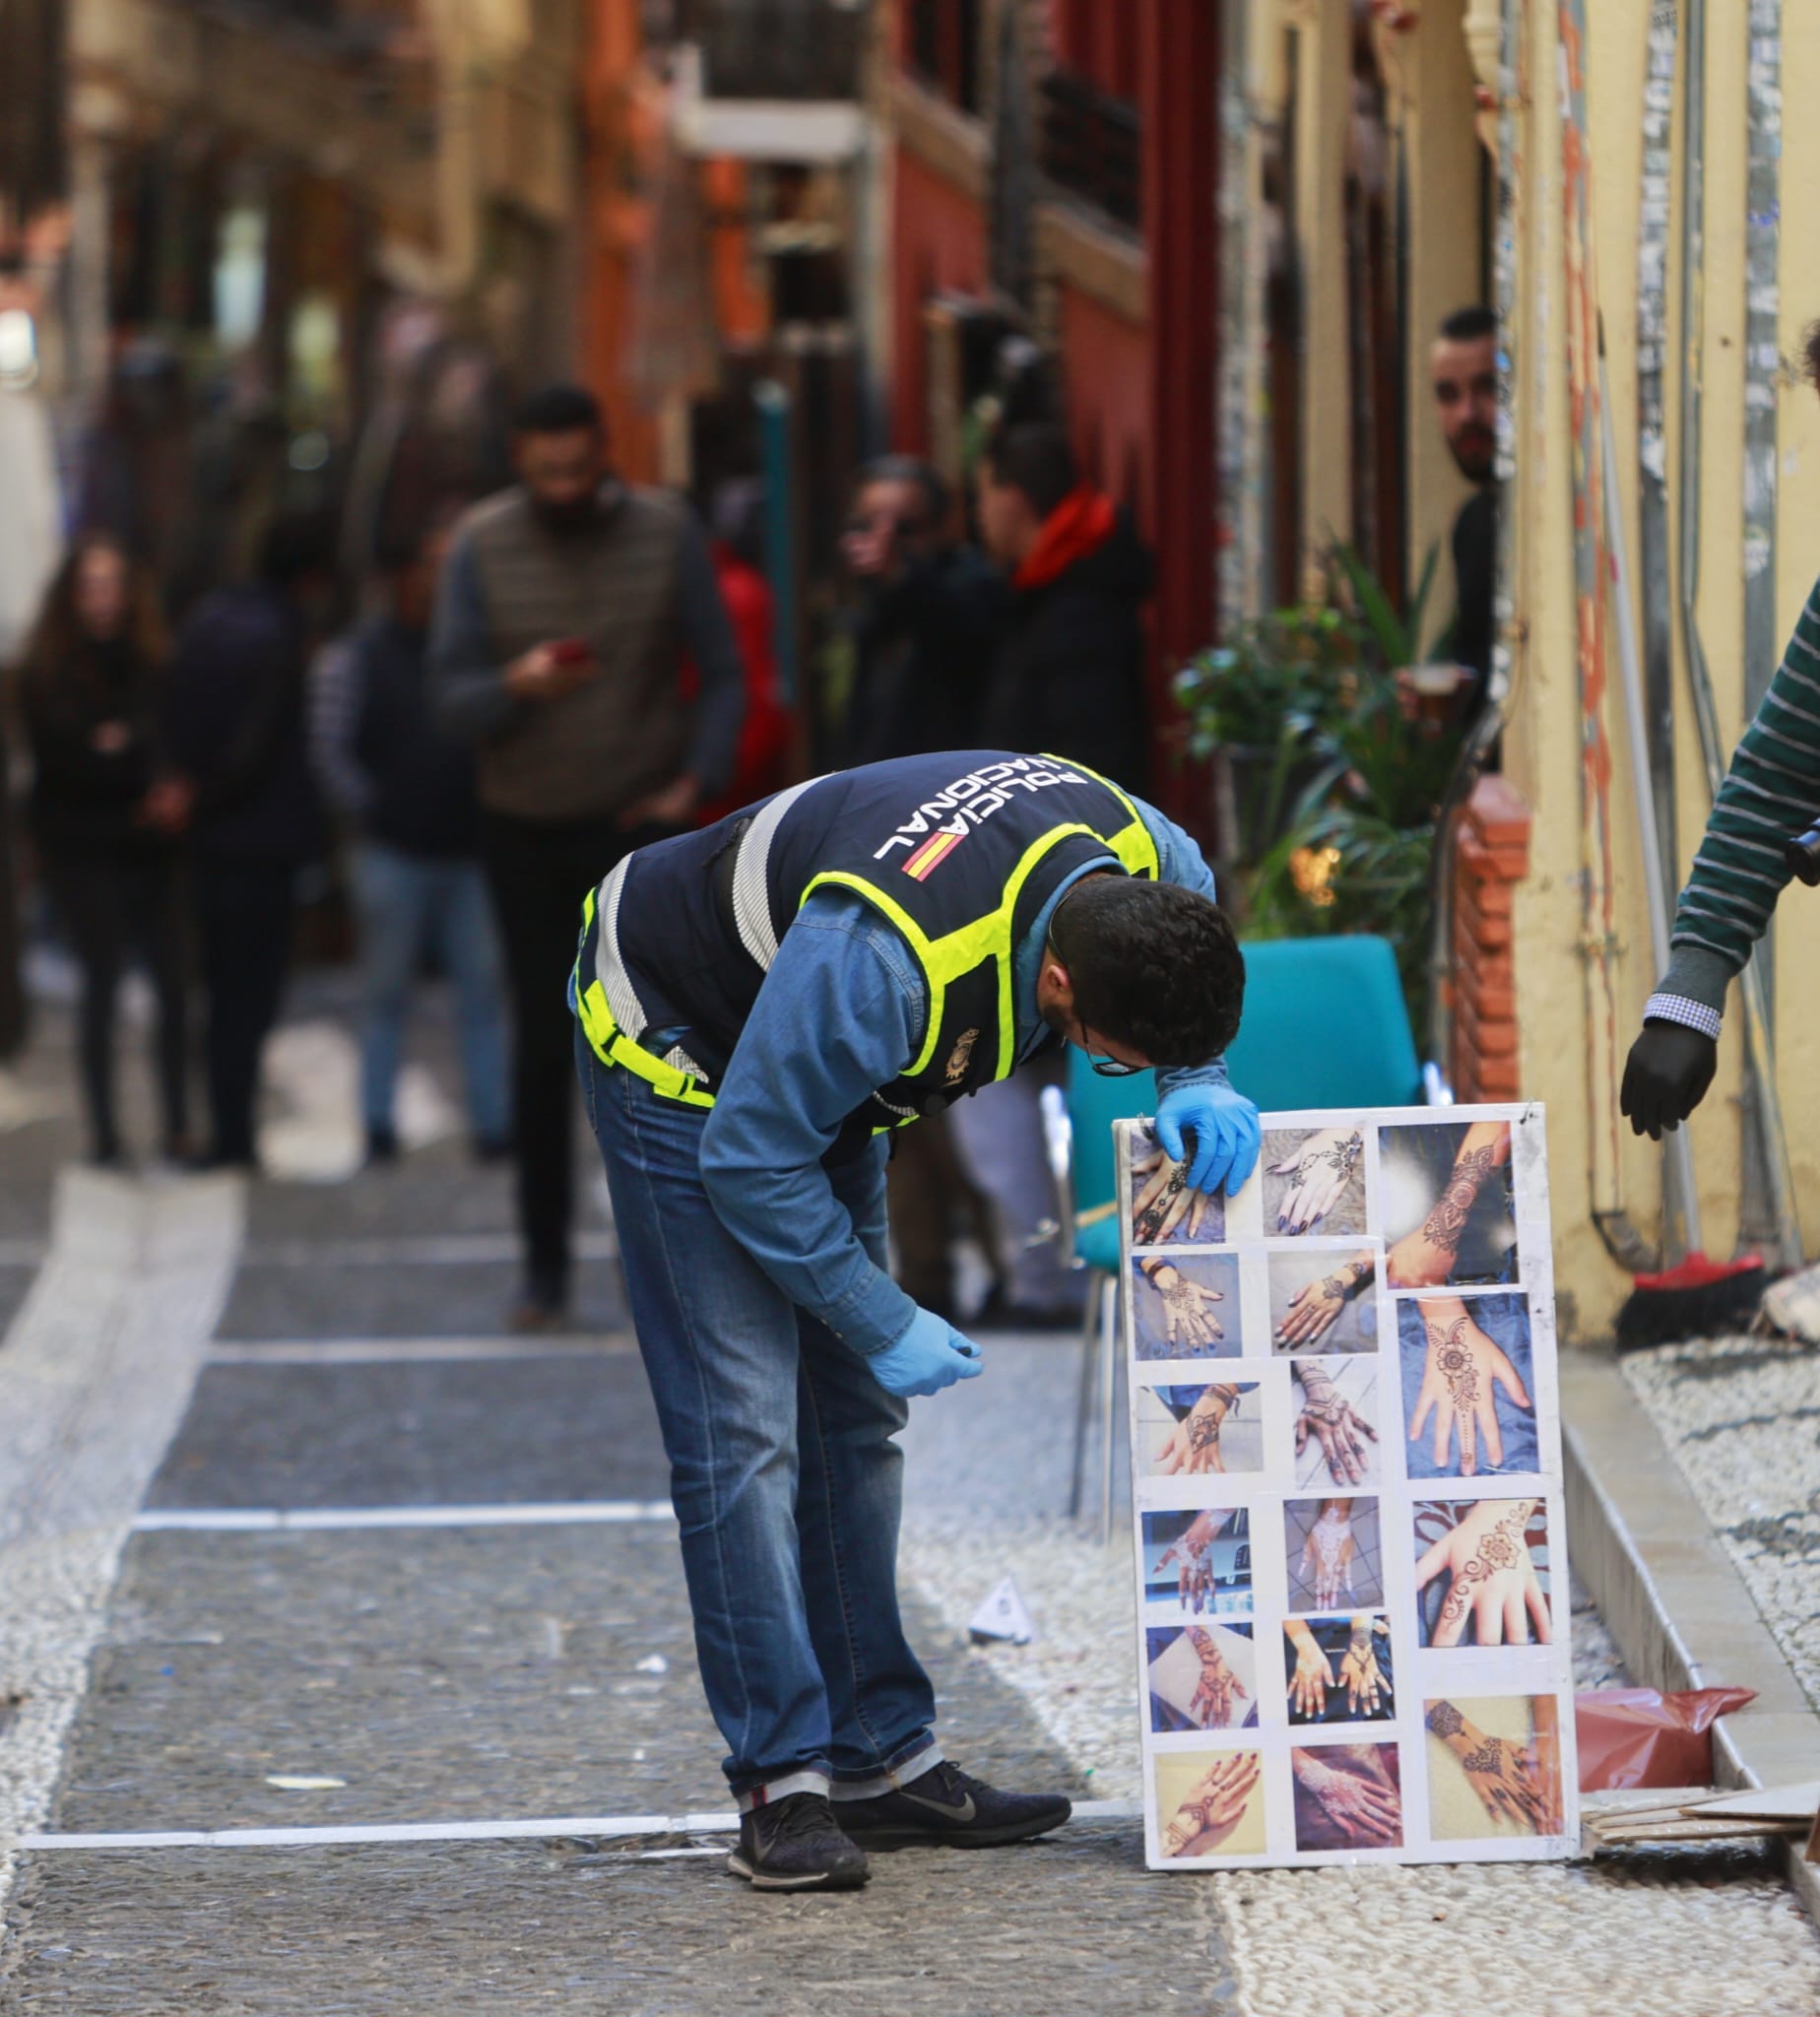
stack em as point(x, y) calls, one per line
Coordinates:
point(1186, 1306)
point(1334, 1547)
point(1448, 1206)
point(1166, 1209)
point(1314, 1181)
point(1322, 1302)
point(1467, 1363)
point(1209, 1803)
point(1483, 1573)
point(1494, 1767)
point(1200, 1428)
point(1336, 1424)
point(1201, 1676)
point(1197, 1565)
point(1347, 1797)
point(1359, 1667)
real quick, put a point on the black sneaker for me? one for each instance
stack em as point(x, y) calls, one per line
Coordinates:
point(945, 1805)
point(796, 1845)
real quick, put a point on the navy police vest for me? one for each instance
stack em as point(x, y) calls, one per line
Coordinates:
point(958, 850)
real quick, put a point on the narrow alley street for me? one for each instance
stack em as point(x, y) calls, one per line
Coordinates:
point(401, 1591)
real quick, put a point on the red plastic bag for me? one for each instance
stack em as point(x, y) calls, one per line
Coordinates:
point(1638, 1736)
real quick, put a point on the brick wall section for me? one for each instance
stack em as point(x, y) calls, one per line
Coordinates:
point(1491, 855)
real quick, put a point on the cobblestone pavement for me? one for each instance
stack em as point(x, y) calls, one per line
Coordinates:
point(1742, 1417)
point(335, 1350)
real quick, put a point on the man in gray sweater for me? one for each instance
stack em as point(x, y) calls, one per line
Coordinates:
point(566, 609)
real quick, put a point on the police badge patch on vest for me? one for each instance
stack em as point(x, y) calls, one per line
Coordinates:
point(960, 1057)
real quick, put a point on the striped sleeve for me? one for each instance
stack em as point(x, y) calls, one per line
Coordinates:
point(1771, 793)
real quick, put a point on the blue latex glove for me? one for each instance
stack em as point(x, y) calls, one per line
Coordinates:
point(1224, 1125)
point(930, 1355)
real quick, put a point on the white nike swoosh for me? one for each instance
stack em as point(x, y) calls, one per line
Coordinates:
point(963, 1813)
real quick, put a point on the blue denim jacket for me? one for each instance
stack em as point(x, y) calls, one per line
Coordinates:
point(842, 1011)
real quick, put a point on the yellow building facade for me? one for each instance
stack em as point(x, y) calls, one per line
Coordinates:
point(1514, 139)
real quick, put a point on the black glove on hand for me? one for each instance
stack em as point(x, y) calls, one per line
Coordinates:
point(1666, 1076)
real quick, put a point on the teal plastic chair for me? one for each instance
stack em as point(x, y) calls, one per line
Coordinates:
point(1324, 1025)
point(1093, 1105)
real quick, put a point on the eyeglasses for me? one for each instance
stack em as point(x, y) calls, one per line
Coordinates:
point(1111, 1068)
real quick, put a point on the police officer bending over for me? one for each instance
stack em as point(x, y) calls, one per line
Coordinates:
point(759, 1005)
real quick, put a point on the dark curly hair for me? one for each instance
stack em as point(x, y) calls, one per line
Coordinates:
point(1154, 968)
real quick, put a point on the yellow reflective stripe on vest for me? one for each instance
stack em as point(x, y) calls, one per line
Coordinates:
point(612, 1046)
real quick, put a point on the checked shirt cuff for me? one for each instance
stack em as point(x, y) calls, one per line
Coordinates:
point(1688, 1013)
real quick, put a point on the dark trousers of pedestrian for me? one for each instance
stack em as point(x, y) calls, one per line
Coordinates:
point(243, 914)
point(115, 906)
point(540, 873)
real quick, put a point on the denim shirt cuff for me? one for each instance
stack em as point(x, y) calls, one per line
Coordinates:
point(873, 1314)
point(1213, 1072)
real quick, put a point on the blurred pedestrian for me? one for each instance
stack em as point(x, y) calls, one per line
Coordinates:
point(1068, 676)
point(562, 617)
point(408, 790)
point(1068, 679)
point(1462, 366)
point(105, 811)
point(236, 720)
point(924, 619)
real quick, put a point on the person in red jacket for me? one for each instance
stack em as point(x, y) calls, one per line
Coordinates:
point(736, 519)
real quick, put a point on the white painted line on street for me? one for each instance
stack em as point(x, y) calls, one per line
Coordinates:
point(342, 1519)
point(95, 1374)
point(595, 1827)
point(380, 1352)
point(412, 1250)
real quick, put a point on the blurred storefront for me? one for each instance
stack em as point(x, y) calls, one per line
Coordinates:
point(257, 197)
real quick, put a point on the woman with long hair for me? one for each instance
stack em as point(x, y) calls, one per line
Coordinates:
point(105, 811)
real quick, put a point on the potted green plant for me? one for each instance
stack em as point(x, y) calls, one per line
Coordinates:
point(1357, 849)
point(1254, 705)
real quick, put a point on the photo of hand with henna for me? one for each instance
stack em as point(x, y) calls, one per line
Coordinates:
point(1322, 1298)
point(1197, 1565)
point(1334, 1550)
point(1209, 1803)
point(1347, 1797)
point(1200, 1428)
point(1478, 1574)
point(1186, 1306)
point(1336, 1439)
point(1447, 1204)
point(1494, 1767)
point(1166, 1209)
point(1314, 1180)
point(1339, 1669)
point(1466, 1363)
point(1201, 1677)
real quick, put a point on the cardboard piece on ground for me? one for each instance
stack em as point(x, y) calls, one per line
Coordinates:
point(1003, 1615)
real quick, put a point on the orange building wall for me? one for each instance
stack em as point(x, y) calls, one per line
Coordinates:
point(1107, 362)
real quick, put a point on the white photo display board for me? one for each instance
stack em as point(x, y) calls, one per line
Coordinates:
point(1352, 1589)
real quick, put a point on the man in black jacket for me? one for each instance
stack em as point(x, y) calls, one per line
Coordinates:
point(1069, 678)
point(238, 733)
point(926, 617)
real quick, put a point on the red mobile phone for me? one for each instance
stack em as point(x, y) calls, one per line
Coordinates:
point(570, 651)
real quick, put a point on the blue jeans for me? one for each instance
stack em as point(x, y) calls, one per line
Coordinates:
point(407, 904)
point(785, 1475)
